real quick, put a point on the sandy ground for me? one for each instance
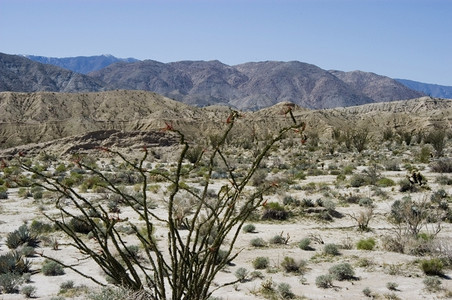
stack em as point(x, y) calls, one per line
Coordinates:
point(14, 211)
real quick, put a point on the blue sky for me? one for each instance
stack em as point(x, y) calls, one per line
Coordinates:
point(410, 39)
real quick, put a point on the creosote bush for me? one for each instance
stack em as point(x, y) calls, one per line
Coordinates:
point(431, 267)
point(366, 244)
point(331, 249)
point(52, 268)
point(324, 281)
point(261, 262)
point(343, 271)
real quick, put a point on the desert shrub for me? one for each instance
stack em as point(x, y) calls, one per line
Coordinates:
point(433, 266)
point(132, 251)
point(38, 227)
point(249, 228)
point(306, 202)
point(279, 239)
point(259, 177)
point(366, 202)
point(28, 291)
point(10, 282)
point(358, 180)
point(444, 180)
point(366, 244)
point(66, 285)
point(392, 286)
point(285, 290)
point(304, 244)
point(261, 262)
point(57, 298)
point(407, 186)
point(52, 268)
point(392, 165)
point(290, 265)
point(289, 200)
point(385, 182)
point(331, 249)
point(432, 283)
point(324, 281)
point(21, 236)
point(367, 292)
point(80, 224)
point(443, 165)
point(274, 211)
point(241, 274)
point(424, 154)
point(343, 271)
point(13, 262)
point(112, 293)
point(258, 242)
point(437, 139)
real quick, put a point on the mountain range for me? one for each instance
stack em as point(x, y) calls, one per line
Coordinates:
point(248, 86)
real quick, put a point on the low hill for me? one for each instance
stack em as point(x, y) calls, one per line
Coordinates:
point(44, 117)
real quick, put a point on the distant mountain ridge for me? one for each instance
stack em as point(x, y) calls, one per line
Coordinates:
point(81, 64)
point(433, 90)
point(248, 86)
point(21, 74)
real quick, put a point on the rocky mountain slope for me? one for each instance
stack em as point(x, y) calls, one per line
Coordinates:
point(249, 86)
point(253, 86)
point(44, 117)
point(81, 64)
point(18, 73)
point(433, 90)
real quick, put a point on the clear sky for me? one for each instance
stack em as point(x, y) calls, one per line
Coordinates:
point(410, 39)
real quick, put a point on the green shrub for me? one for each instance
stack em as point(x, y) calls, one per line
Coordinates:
point(366, 244)
point(13, 262)
point(285, 290)
point(358, 180)
point(248, 228)
point(443, 165)
point(343, 271)
point(432, 266)
point(274, 211)
point(304, 244)
point(28, 291)
point(278, 240)
point(261, 262)
point(10, 282)
point(21, 236)
point(385, 182)
point(66, 285)
point(432, 283)
point(52, 268)
point(291, 266)
point(367, 292)
point(80, 224)
point(331, 249)
point(241, 274)
point(324, 281)
point(258, 242)
point(392, 286)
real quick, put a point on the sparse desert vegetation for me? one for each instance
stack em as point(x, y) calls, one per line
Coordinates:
point(349, 215)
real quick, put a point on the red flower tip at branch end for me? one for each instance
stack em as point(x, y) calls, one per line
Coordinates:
point(264, 204)
point(105, 149)
point(168, 127)
point(3, 164)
